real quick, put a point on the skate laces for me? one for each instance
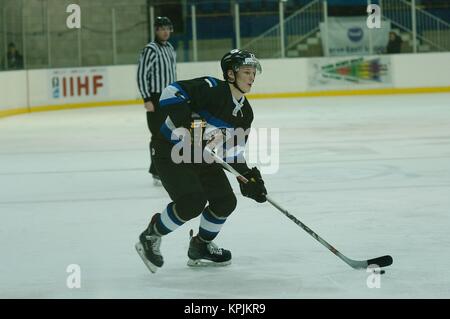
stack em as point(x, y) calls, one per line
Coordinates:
point(155, 242)
point(214, 249)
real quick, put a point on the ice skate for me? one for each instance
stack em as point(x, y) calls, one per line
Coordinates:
point(148, 247)
point(207, 254)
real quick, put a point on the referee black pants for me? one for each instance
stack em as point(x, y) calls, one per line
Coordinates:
point(153, 122)
point(192, 186)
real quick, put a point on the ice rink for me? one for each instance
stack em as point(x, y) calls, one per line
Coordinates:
point(370, 174)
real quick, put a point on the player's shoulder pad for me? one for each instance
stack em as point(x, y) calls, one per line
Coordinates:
point(212, 82)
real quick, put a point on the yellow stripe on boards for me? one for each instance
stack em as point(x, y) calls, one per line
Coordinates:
point(350, 92)
point(58, 107)
point(383, 91)
point(5, 113)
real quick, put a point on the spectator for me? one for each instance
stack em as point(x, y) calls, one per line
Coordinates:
point(14, 60)
point(395, 43)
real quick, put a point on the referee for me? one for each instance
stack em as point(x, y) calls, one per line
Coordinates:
point(156, 70)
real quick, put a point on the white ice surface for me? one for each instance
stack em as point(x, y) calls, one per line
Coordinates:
point(369, 174)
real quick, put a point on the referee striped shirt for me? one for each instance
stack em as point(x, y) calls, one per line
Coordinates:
point(156, 69)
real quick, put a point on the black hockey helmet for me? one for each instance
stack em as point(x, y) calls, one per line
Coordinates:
point(236, 58)
point(163, 22)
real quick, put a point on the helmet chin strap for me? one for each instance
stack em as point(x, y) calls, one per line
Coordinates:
point(235, 84)
point(237, 87)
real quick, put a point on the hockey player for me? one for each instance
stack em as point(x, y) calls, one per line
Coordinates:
point(202, 188)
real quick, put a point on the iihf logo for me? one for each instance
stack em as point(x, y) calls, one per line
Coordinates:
point(76, 85)
point(55, 87)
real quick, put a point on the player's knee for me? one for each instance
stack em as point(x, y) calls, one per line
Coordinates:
point(224, 206)
point(190, 206)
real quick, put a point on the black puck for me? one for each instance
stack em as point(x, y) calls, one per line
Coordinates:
point(381, 272)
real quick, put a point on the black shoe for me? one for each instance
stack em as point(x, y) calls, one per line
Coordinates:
point(156, 180)
point(148, 247)
point(203, 253)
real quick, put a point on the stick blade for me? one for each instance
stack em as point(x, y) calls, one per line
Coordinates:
point(382, 261)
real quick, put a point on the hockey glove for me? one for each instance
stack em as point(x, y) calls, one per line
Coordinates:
point(254, 189)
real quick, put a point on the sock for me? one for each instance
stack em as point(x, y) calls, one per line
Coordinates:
point(210, 225)
point(168, 221)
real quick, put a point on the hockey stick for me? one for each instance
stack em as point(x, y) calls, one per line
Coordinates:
point(382, 261)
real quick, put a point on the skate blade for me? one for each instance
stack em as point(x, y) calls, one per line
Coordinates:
point(140, 251)
point(206, 263)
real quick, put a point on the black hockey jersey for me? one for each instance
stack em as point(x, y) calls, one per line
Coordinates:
point(206, 101)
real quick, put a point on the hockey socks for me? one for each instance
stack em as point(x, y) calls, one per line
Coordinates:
point(210, 225)
point(168, 220)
